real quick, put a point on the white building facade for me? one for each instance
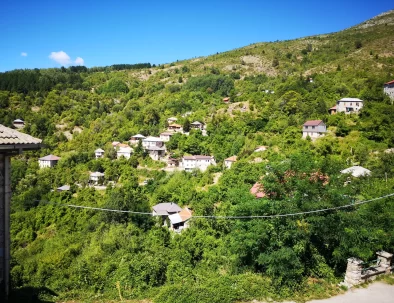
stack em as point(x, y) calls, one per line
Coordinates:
point(197, 162)
point(349, 105)
point(314, 129)
point(48, 161)
point(388, 89)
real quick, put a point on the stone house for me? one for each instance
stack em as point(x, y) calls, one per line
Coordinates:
point(96, 177)
point(135, 139)
point(155, 152)
point(314, 129)
point(124, 151)
point(197, 125)
point(166, 136)
point(48, 161)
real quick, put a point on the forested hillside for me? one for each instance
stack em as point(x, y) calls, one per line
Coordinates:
point(273, 88)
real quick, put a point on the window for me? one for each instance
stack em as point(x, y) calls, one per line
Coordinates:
point(313, 127)
point(306, 127)
point(357, 104)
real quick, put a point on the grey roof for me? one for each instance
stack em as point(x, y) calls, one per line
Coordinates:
point(175, 218)
point(19, 121)
point(138, 136)
point(10, 137)
point(163, 209)
point(50, 158)
point(152, 139)
point(97, 174)
point(99, 150)
point(64, 188)
point(351, 99)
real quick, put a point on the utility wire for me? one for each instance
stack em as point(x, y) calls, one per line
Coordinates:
point(230, 217)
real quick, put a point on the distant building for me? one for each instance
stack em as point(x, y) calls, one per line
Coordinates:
point(99, 153)
point(48, 161)
point(388, 89)
point(63, 188)
point(226, 100)
point(96, 177)
point(229, 161)
point(115, 143)
point(175, 127)
point(19, 123)
point(197, 125)
point(172, 162)
point(349, 105)
point(197, 162)
point(314, 129)
point(152, 141)
point(166, 136)
point(155, 152)
point(165, 209)
point(333, 110)
point(180, 220)
point(124, 151)
point(260, 148)
point(137, 138)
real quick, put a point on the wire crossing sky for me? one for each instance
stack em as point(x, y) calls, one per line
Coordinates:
point(230, 217)
point(43, 34)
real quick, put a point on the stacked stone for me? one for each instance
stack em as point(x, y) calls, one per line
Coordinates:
point(353, 272)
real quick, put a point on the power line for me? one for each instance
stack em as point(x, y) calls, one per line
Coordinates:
point(229, 217)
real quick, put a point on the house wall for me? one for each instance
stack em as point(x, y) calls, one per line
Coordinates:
point(46, 163)
point(99, 155)
point(228, 164)
point(124, 154)
point(389, 90)
point(349, 106)
point(152, 143)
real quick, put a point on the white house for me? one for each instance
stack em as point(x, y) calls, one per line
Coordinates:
point(99, 153)
point(96, 177)
point(166, 136)
point(229, 161)
point(180, 221)
point(314, 129)
point(48, 161)
point(356, 171)
point(124, 151)
point(349, 105)
point(135, 139)
point(197, 125)
point(197, 162)
point(152, 141)
point(19, 123)
point(389, 89)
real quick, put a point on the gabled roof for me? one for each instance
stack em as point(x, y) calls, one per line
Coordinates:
point(13, 139)
point(350, 99)
point(231, 159)
point(313, 123)
point(18, 121)
point(172, 119)
point(50, 158)
point(138, 136)
point(166, 134)
point(97, 174)
point(197, 123)
point(390, 82)
point(184, 215)
point(99, 150)
point(152, 139)
point(258, 190)
point(163, 209)
point(226, 99)
point(356, 171)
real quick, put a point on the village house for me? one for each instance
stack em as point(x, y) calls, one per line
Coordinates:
point(152, 141)
point(314, 129)
point(134, 140)
point(171, 120)
point(349, 105)
point(333, 110)
point(99, 153)
point(124, 151)
point(166, 136)
point(175, 128)
point(19, 123)
point(48, 161)
point(226, 100)
point(96, 177)
point(165, 209)
point(155, 152)
point(197, 162)
point(179, 221)
point(388, 89)
point(229, 161)
point(197, 125)
point(172, 162)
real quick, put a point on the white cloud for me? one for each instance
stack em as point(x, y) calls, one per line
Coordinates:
point(60, 57)
point(79, 61)
point(23, 54)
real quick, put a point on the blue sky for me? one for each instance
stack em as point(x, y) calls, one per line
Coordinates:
point(43, 34)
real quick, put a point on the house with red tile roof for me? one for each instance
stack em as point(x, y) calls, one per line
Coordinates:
point(314, 129)
point(229, 161)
